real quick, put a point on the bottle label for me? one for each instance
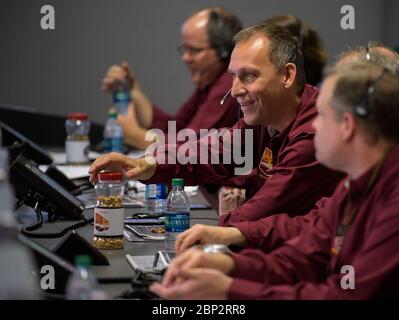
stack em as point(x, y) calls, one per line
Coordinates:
point(177, 221)
point(162, 191)
point(77, 151)
point(150, 191)
point(113, 144)
point(108, 221)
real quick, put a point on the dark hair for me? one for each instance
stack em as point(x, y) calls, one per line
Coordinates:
point(222, 26)
point(374, 88)
point(314, 54)
point(284, 48)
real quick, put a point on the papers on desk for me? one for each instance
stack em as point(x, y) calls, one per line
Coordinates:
point(155, 233)
point(145, 263)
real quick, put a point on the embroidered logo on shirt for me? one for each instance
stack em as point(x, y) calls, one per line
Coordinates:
point(266, 163)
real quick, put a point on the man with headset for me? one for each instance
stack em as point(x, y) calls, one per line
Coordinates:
point(268, 82)
point(207, 44)
point(349, 250)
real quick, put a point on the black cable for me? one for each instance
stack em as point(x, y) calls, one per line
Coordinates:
point(39, 222)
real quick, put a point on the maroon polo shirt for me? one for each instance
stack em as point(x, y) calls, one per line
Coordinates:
point(307, 267)
point(293, 185)
point(271, 232)
point(202, 110)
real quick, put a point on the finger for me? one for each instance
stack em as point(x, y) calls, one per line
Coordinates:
point(190, 240)
point(180, 240)
point(125, 66)
point(179, 291)
point(175, 266)
point(170, 275)
point(161, 290)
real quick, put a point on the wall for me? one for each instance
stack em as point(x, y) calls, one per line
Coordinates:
point(61, 70)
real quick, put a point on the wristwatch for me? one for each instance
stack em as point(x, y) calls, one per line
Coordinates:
point(216, 248)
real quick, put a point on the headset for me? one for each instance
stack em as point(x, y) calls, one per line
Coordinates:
point(221, 30)
point(362, 110)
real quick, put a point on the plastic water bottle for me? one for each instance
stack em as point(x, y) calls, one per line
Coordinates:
point(162, 194)
point(16, 262)
point(82, 285)
point(177, 218)
point(113, 134)
point(121, 96)
point(155, 197)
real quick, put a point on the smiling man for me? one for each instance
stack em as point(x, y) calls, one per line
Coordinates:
point(349, 250)
point(268, 82)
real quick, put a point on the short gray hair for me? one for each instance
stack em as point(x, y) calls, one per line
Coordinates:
point(284, 48)
point(352, 89)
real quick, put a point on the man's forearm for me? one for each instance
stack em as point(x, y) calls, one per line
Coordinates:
point(144, 110)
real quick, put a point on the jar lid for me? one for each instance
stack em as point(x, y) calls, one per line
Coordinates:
point(77, 116)
point(110, 176)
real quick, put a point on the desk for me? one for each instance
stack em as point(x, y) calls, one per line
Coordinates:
point(119, 267)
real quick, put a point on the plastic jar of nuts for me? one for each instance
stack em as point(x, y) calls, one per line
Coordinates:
point(109, 212)
point(77, 142)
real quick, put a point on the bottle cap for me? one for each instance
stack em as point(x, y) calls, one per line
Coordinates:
point(177, 182)
point(110, 176)
point(83, 260)
point(77, 116)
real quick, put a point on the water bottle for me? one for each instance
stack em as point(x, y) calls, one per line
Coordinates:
point(121, 96)
point(77, 143)
point(113, 134)
point(82, 285)
point(177, 218)
point(155, 197)
point(16, 262)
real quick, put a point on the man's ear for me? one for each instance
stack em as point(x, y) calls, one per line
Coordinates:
point(348, 126)
point(290, 73)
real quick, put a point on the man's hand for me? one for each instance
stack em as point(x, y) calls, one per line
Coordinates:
point(196, 283)
point(202, 234)
point(117, 73)
point(141, 169)
point(195, 258)
point(230, 199)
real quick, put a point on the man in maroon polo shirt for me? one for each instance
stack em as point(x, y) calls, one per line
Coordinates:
point(206, 48)
point(350, 249)
point(268, 82)
point(270, 232)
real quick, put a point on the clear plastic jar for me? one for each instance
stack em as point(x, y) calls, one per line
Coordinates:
point(77, 143)
point(109, 212)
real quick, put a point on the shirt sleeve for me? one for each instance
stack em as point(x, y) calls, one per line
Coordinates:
point(207, 158)
point(297, 181)
point(271, 232)
point(160, 118)
point(296, 271)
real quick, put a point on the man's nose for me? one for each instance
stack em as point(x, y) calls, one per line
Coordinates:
point(237, 89)
point(186, 57)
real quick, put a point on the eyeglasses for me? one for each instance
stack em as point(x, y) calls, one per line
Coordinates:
point(192, 51)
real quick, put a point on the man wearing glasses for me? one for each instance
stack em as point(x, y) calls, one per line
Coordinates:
point(207, 42)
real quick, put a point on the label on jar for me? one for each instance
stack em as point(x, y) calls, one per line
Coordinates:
point(177, 221)
point(77, 151)
point(108, 221)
